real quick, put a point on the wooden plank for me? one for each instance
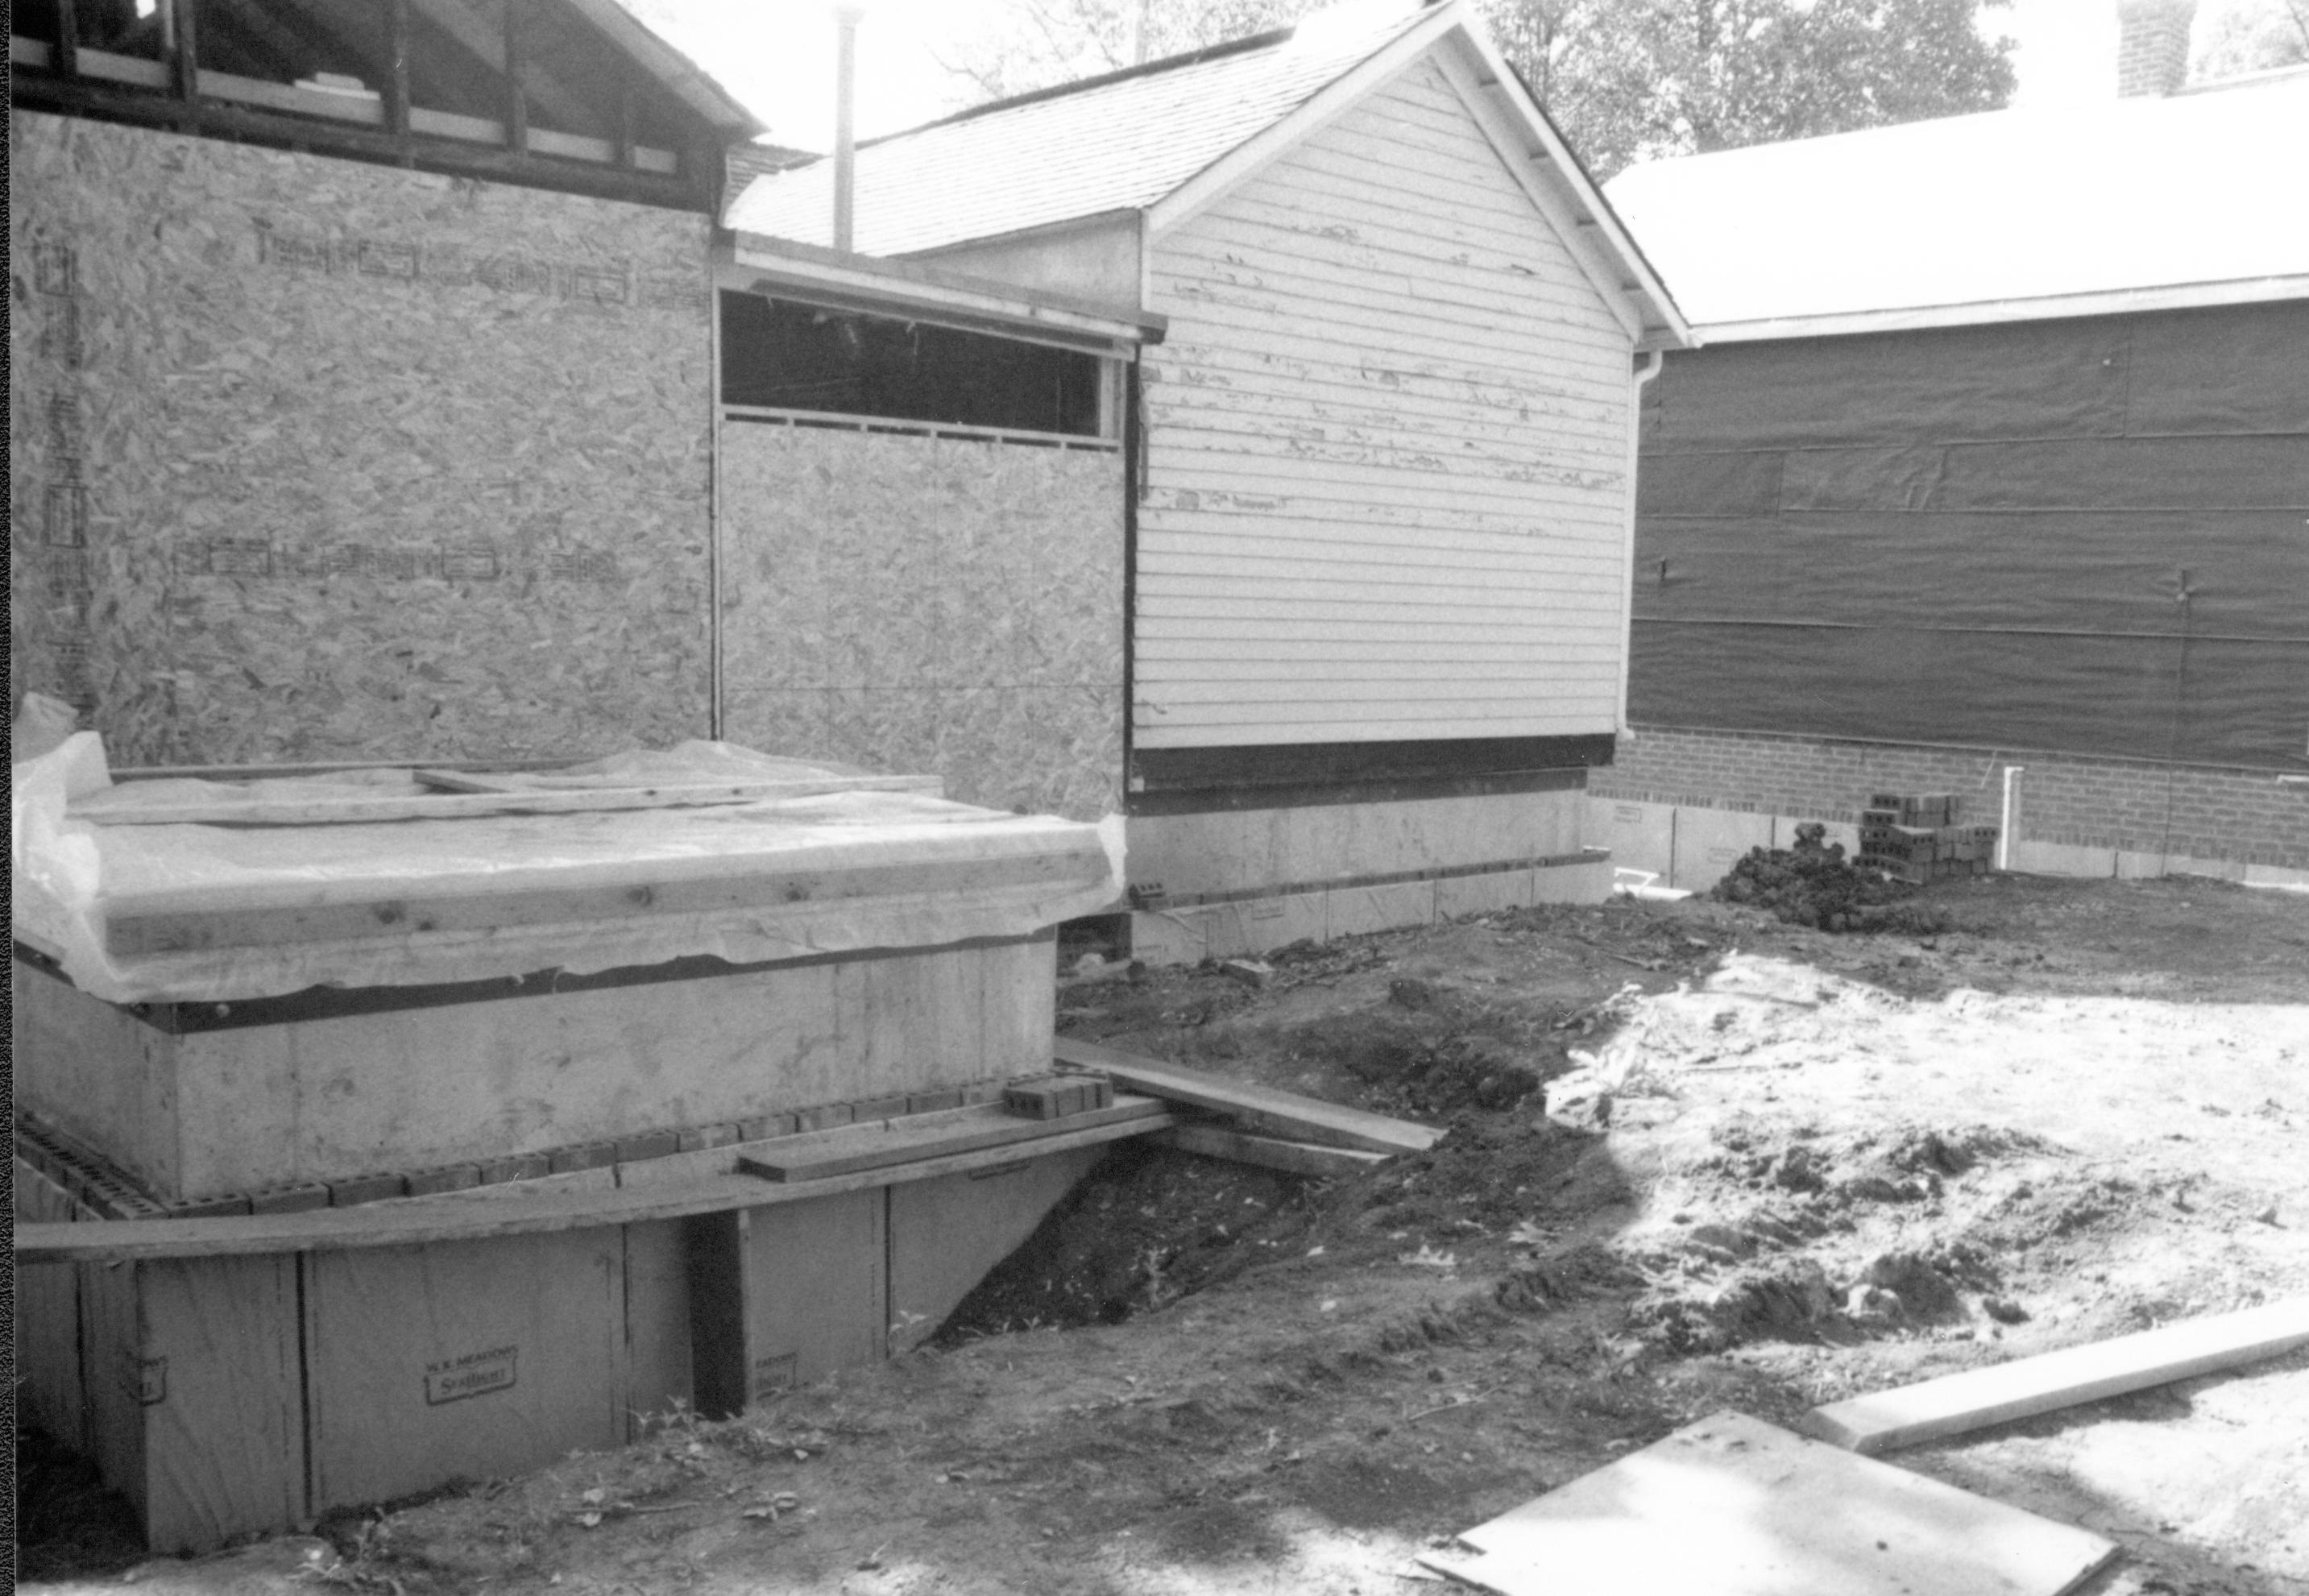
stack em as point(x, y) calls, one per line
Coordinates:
point(189, 930)
point(851, 1148)
point(1269, 1153)
point(505, 1211)
point(1982, 1397)
point(1733, 1506)
point(1258, 1109)
point(472, 799)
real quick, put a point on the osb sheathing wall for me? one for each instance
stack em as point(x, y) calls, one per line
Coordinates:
point(928, 604)
point(315, 460)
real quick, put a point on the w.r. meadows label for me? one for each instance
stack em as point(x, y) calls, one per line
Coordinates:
point(476, 1373)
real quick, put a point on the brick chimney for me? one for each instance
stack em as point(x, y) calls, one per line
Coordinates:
point(2152, 49)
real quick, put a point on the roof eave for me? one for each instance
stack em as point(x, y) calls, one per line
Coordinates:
point(875, 284)
point(1664, 325)
point(2193, 295)
point(682, 76)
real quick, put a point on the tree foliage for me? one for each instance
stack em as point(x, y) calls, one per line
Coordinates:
point(2242, 36)
point(1043, 42)
point(1625, 80)
point(1633, 79)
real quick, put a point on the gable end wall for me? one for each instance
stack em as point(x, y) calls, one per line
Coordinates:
point(1386, 458)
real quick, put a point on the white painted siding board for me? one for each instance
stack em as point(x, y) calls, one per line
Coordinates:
point(1387, 443)
point(1296, 543)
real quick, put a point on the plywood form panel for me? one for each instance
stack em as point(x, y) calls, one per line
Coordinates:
point(657, 1323)
point(815, 1287)
point(466, 1360)
point(946, 1235)
point(956, 605)
point(329, 1099)
point(190, 1377)
point(339, 461)
point(47, 1320)
point(97, 1073)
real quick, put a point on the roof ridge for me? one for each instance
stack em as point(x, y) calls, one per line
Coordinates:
point(1212, 52)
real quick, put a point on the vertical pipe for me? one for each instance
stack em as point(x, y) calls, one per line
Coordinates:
point(714, 521)
point(845, 138)
point(2009, 817)
point(1643, 374)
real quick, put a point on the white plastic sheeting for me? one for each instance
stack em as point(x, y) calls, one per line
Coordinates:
point(74, 880)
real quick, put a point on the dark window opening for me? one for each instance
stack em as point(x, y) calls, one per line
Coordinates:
point(782, 355)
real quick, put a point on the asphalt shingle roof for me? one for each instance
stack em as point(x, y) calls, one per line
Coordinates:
point(1117, 142)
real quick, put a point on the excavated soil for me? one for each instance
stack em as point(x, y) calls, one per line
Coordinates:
point(1696, 1158)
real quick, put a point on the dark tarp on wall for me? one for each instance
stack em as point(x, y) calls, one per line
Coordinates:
point(1983, 535)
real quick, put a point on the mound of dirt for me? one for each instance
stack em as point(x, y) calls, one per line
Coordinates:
point(1813, 885)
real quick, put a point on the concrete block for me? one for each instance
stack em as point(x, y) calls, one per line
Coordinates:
point(456, 1177)
point(586, 1155)
point(365, 1188)
point(2275, 876)
point(1457, 896)
point(1226, 930)
point(289, 1199)
point(2180, 864)
point(654, 1144)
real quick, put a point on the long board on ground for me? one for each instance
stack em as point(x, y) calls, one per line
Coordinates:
point(518, 1210)
point(1981, 1397)
point(1269, 1153)
point(1733, 1506)
point(229, 809)
point(845, 1150)
point(1260, 1109)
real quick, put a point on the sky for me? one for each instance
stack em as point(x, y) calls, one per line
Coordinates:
point(777, 55)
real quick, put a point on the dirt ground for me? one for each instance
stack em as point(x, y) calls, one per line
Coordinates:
point(1785, 1166)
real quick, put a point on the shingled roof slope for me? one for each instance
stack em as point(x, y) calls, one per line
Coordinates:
point(1116, 142)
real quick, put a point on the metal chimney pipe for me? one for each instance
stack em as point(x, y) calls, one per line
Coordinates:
point(846, 139)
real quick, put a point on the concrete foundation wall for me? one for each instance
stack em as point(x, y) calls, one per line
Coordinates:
point(1687, 803)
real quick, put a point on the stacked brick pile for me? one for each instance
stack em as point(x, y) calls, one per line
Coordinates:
point(1916, 837)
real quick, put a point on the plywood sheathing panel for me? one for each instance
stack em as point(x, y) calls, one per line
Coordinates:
point(928, 604)
point(1735, 1507)
point(338, 461)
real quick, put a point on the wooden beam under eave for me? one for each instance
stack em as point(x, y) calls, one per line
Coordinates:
point(184, 60)
point(396, 81)
point(516, 101)
point(43, 91)
point(64, 58)
point(624, 121)
point(469, 34)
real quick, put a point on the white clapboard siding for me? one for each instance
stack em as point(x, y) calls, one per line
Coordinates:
point(1387, 451)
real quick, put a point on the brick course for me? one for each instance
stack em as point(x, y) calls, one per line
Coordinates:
point(2196, 812)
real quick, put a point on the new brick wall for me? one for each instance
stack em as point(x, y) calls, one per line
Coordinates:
point(2182, 811)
